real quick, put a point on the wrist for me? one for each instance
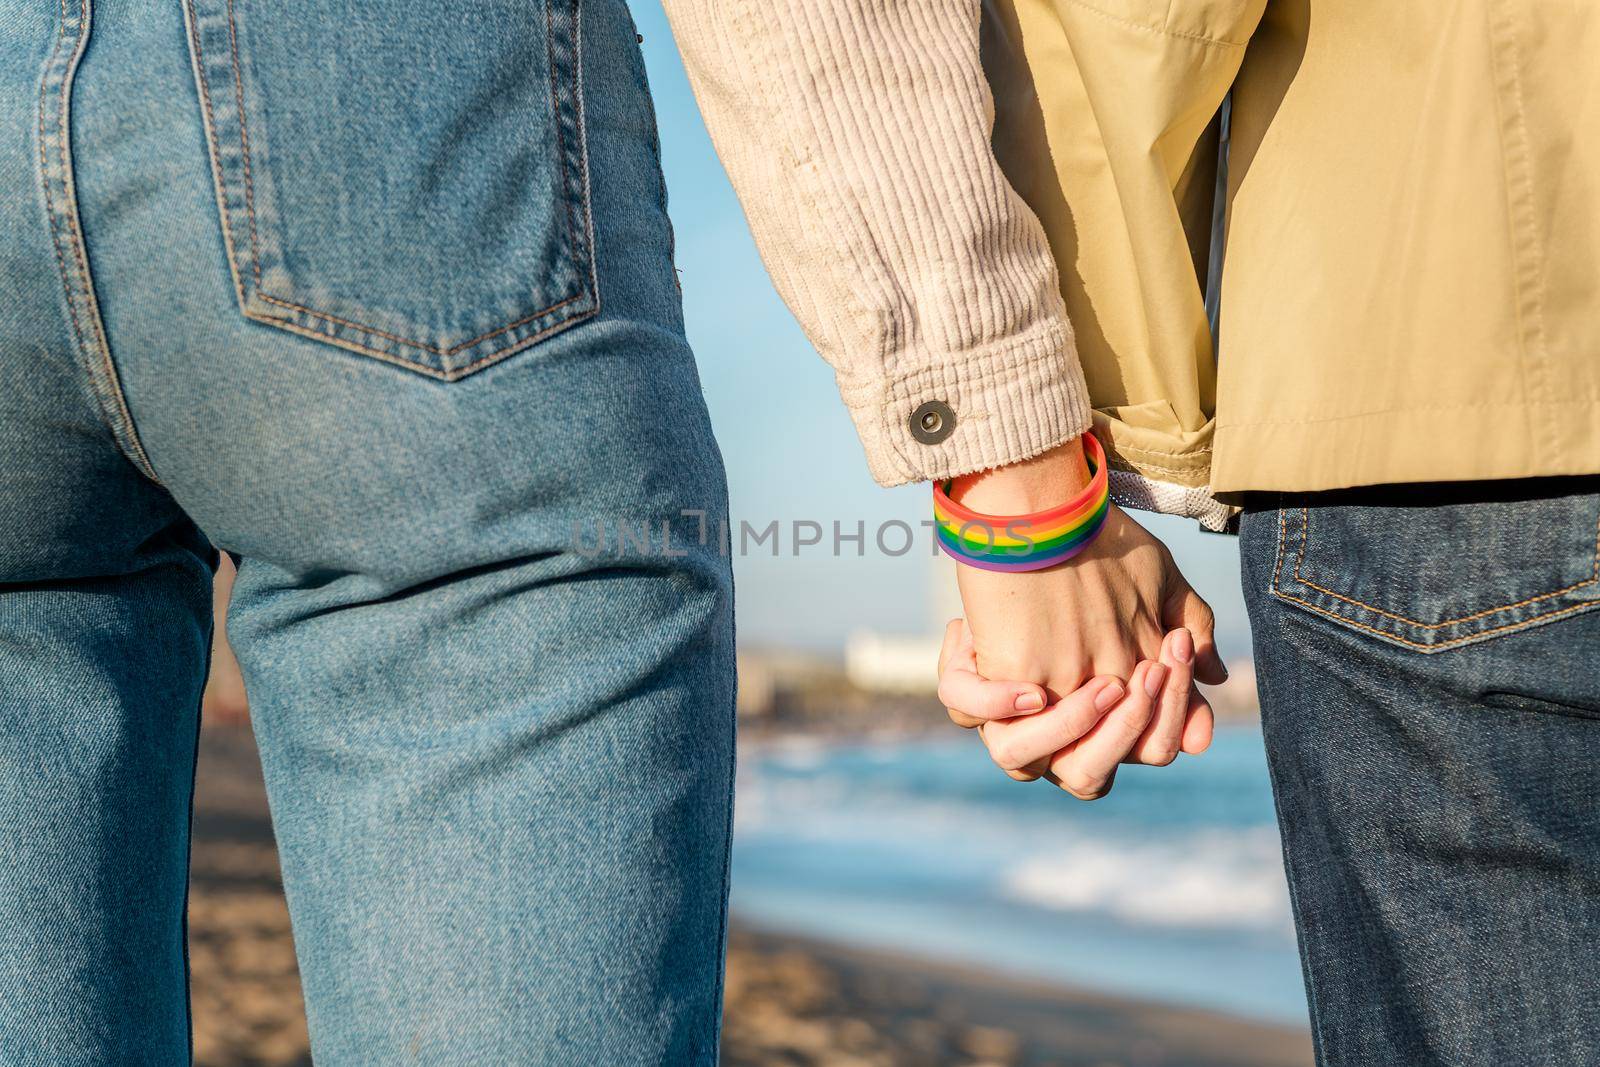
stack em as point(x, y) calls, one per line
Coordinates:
point(1031, 541)
point(1022, 488)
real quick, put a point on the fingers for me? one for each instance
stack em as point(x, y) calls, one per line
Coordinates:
point(1079, 741)
point(1086, 769)
point(1026, 774)
point(971, 698)
point(965, 691)
point(1185, 608)
point(954, 650)
point(1200, 725)
point(1164, 736)
point(955, 637)
point(1019, 744)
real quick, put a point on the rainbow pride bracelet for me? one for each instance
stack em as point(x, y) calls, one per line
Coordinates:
point(1025, 542)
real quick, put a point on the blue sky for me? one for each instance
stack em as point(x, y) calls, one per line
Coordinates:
point(790, 448)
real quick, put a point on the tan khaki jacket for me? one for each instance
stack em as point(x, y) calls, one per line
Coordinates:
point(1411, 289)
point(997, 218)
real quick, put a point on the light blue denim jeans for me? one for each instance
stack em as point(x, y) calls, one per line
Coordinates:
point(380, 299)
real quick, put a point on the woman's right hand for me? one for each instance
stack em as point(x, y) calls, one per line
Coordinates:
point(1078, 741)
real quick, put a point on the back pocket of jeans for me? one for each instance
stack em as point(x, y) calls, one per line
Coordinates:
point(1438, 577)
point(405, 181)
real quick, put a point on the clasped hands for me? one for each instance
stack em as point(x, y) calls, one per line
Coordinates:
point(1069, 672)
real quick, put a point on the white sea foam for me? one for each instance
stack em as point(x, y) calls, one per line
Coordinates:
point(849, 819)
point(1216, 879)
point(1171, 888)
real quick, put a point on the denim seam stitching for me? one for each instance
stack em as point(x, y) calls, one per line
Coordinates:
point(433, 349)
point(1278, 591)
point(446, 373)
point(1439, 646)
point(191, 19)
point(44, 178)
point(727, 870)
point(421, 368)
point(105, 383)
point(250, 210)
point(1305, 536)
point(1283, 533)
point(188, 856)
point(555, 105)
point(1289, 862)
point(123, 428)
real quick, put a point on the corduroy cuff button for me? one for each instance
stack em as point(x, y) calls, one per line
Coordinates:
point(933, 422)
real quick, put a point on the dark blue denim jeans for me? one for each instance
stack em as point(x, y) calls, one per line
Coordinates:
point(380, 299)
point(1429, 666)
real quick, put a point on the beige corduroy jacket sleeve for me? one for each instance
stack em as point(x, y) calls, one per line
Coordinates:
point(857, 135)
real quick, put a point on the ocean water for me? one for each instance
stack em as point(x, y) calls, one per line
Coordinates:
point(1170, 889)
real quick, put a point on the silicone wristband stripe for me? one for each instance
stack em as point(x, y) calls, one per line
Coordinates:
point(1035, 531)
point(1098, 486)
point(1019, 548)
point(984, 564)
point(1026, 542)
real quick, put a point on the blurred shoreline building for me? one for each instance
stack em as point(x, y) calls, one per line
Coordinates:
point(907, 663)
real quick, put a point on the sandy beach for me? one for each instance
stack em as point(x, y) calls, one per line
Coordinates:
point(791, 1002)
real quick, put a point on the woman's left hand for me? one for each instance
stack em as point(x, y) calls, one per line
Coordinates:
point(1079, 741)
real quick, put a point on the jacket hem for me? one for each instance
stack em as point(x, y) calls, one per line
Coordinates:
point(1489, 442)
